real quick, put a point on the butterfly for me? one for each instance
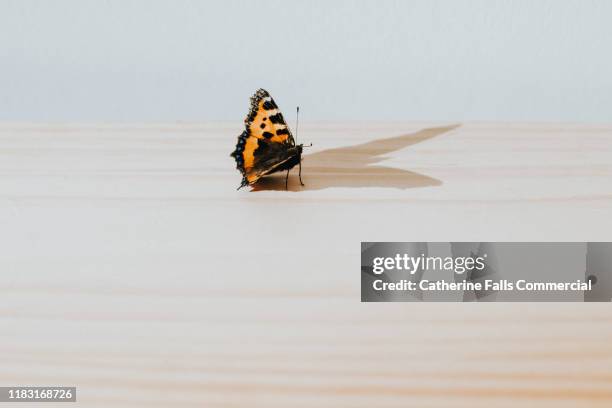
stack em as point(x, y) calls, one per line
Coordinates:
point(266, 145)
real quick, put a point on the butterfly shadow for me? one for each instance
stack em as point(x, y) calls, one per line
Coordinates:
point(352, 166)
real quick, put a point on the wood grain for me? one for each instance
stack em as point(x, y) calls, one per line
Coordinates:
point(133, 269)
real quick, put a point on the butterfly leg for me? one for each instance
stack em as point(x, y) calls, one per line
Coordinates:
point(287, 180)
point(300, 173)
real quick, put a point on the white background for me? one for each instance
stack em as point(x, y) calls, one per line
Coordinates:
point(412, 60)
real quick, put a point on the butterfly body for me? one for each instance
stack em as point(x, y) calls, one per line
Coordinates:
point(266, 145)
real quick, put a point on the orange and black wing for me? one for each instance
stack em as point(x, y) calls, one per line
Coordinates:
point(265, 121)
point(266, 141)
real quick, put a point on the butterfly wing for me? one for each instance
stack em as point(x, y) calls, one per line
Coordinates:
point(265, 121)
point(267, 143)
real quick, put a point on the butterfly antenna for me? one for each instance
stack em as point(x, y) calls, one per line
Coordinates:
point(297, 118)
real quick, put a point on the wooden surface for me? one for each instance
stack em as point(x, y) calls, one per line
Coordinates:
point(133, 269)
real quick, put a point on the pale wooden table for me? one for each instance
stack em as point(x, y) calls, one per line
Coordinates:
point(133, 269)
